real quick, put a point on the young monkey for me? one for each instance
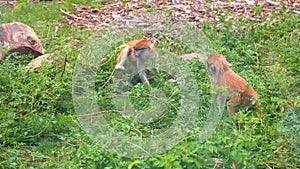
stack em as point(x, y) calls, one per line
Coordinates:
point(222, 75)
point(137, 52)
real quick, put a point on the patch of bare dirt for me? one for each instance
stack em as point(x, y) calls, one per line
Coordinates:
point(195, 11)
point(8, 3)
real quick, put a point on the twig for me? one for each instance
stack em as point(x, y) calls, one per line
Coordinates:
point(135, 129)
point(268, 166)
point(110, 77)
point(64, 67)
point(273, 3)
point(296, 12)
point(214, 160)
point(71, 15)
point(280, 147)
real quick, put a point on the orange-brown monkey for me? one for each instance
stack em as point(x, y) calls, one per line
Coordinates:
point(137, 52)
point(222, 75)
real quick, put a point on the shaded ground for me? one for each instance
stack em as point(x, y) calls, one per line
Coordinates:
point(192, 11)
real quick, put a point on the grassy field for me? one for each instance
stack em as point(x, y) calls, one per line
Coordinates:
point(39, 126)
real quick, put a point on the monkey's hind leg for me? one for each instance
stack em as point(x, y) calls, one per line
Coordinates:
point(122, 58)
point(143, 77)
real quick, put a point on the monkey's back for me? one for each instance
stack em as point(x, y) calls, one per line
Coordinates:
point(237, 84)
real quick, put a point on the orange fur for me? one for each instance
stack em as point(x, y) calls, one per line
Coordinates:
point(239, 91)
point(139, 44)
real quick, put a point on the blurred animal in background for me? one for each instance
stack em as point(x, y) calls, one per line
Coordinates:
point(137, 52)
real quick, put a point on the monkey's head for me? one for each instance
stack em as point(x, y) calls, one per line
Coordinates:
point(217, 63)
point(143, 44)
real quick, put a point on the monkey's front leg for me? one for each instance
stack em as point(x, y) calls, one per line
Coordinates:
point(233, 104)
point(141, 71)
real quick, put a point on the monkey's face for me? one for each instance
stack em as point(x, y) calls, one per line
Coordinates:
point(211, 68)
point(213, 64)
point(144, 53)
point(217, 64)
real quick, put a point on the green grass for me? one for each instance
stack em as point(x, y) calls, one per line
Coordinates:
point(39, 126)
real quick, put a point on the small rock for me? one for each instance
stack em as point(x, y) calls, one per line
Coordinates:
point(36, 63)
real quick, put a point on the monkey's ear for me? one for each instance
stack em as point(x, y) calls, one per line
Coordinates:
point(225, 64)
point(225, 61)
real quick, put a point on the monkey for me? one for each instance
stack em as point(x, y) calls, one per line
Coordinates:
point(223, 75)
point(137, 52)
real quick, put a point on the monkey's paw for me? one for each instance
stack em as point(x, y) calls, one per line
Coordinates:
point(118, 67)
